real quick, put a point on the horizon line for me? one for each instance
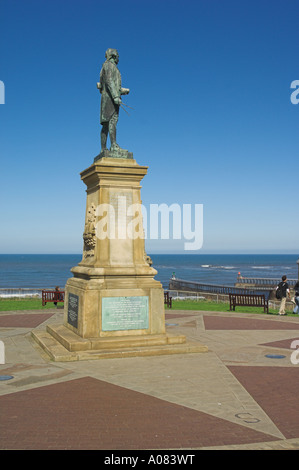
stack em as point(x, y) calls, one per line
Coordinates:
point(163, 253)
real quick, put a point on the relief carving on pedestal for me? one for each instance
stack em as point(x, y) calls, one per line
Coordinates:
point(89, 235)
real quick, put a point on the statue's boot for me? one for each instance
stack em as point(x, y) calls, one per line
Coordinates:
point(115, 147)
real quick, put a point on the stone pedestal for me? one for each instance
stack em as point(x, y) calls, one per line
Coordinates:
point(113, 305)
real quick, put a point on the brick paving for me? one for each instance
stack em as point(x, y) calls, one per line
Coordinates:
point(283, 343)
point(185, 402)
point(25, 320)
point(91, 414)
point(237, 323)
point(275, 390)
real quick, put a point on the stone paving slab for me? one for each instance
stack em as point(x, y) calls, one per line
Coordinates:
point(107, 416)
point(230, 397)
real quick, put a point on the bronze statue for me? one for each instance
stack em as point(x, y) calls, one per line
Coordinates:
point(111, 91)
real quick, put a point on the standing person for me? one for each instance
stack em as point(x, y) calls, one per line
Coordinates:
point(296, 288)
point(111, 91)
point(282, 291)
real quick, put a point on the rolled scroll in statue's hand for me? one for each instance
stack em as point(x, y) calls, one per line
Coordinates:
point(124, 91)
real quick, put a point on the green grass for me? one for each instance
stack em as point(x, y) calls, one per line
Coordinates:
point(7, 305)
point(208, 305)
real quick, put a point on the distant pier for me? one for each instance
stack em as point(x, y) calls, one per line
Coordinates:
point(257, 282)
point(244, 285)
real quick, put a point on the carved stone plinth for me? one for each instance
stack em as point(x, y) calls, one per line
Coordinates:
point(113, 305)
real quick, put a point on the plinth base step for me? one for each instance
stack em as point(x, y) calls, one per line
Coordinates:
point(61, 344)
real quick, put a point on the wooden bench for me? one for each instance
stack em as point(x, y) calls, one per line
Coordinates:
point(167, 300)
point(52, 296)
point(249, 300)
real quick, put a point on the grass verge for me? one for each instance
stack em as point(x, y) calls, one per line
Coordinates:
point(208, 305)
point(7, 305)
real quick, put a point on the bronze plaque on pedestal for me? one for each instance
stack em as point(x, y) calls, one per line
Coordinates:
point(125, 313)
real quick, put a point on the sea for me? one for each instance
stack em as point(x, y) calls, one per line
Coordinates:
point(48, 271)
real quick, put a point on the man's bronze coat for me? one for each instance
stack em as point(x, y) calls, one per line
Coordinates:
point(110, 87)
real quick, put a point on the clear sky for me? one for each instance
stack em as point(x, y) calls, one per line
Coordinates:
point(213, 120)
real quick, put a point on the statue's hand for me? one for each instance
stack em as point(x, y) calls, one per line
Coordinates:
point(117, 101)
point(125, 91)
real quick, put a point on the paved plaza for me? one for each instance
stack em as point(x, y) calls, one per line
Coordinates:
point(241, 394)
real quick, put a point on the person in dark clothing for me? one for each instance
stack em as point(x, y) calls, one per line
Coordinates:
point(296, 288)
point(283, 286)
point(58, 296)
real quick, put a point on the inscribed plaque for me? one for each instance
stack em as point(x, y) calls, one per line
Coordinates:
point(72, 311)
point(120, 201)
point(124, 313)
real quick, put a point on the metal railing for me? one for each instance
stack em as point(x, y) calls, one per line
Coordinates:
point(180, 284)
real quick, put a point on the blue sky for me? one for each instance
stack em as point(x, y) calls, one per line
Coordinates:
point(213, 120)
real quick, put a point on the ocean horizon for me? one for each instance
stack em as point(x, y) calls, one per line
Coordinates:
point(43, 271)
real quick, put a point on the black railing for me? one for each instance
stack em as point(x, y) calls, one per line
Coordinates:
point(180, 284)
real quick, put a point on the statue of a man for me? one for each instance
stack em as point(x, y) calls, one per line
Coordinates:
point(111, 90)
